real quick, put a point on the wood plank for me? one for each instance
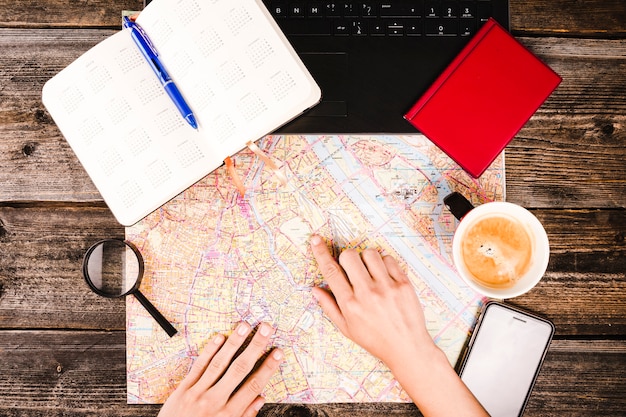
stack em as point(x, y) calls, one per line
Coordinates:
point(71, 374)
point(64, 374)
point(581, 378)
point(586, 270)
point(65, 13)
point(563, 18)
point(582, 124)
point(603, 18)
point(42, 287)
point(571, 153)
point(37, 163)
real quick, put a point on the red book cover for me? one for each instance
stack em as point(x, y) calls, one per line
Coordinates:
point(483, 98)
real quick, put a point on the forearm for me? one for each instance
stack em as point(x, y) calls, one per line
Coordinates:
point(374, 303)
point(434, 386)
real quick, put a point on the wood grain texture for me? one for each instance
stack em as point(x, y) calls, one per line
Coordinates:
point(64, 13)
point(35, 158)
point(581, 124)
point(566, 18)
point(71, 374)
point(41, 285)
point(589, 18)
point(62, 348)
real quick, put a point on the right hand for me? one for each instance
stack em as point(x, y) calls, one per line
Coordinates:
point(373, 303)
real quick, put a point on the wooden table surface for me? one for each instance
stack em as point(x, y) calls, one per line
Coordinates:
point(62, 348)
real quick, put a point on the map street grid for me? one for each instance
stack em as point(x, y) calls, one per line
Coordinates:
point(214, 258)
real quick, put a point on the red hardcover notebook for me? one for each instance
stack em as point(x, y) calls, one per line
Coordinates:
point(483, 98)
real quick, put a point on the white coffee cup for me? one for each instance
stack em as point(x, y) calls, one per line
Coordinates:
point(499, 249)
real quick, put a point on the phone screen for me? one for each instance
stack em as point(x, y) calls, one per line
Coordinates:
point(504, 357)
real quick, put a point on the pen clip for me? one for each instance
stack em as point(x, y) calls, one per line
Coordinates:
point(144, 36)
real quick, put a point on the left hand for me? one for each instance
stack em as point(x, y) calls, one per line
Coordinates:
point(209, 388)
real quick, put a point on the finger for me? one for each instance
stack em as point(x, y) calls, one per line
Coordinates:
point(332, 272)
point(243, 364)
point(250, 390)
point(221, 360)
point(330, 308)
point(202, 361)
point(395, 270)
point(351, 262)
point(375, 265)
point(254, 408)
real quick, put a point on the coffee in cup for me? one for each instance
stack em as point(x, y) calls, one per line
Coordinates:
point(499, 249)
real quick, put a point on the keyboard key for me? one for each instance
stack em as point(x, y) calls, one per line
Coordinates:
point(413, 27)
point(377, 28)
point(468, 10)
point(484, 11)
point(314, 10)
point(278, 10)
point(333, 9)
point(391, 9)
point(358, 28)
point(442, 27)
point(395, 28)
point(468, 27)
point(341, 27)
point(432, 9)
point(350, 10)
point(296, 10)
point(450, 10)
point(369, 10)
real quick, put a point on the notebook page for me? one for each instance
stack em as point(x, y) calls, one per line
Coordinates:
point(239, 75)
point(233, 65)
point(124, 129)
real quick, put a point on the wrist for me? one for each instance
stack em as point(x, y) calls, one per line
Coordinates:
point(431, 381)
point(418, 359)
point(415, 354)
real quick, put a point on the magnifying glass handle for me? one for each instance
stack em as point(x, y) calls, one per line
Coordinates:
point(166, 325)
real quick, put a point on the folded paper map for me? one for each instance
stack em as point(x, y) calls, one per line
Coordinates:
point(214, 258)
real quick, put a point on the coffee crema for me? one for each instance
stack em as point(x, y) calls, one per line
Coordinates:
point(497, 250)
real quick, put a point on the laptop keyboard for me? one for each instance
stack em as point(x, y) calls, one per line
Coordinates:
point(380, 18)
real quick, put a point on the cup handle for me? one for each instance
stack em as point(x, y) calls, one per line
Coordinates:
point(458, 205)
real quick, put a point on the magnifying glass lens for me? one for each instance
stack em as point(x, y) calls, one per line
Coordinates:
point(113, 268)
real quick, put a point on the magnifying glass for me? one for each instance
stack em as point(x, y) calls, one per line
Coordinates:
point(113, 268)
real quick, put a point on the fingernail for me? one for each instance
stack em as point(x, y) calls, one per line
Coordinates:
point(278, 355)
point(242, 329)
point(265, 330)
point(316, 240)
point(218, 339)
point(314, 294)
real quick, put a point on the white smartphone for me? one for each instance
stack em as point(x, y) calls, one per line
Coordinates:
point(504, 356)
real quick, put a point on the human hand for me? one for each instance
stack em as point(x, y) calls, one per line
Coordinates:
point(209, 388)
point(373, 303)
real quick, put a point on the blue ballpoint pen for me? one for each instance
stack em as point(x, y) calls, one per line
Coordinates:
point(149, 52)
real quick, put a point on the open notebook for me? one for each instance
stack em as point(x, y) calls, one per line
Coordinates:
point(235, 69)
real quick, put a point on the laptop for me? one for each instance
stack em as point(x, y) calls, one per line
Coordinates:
point(374, 59)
